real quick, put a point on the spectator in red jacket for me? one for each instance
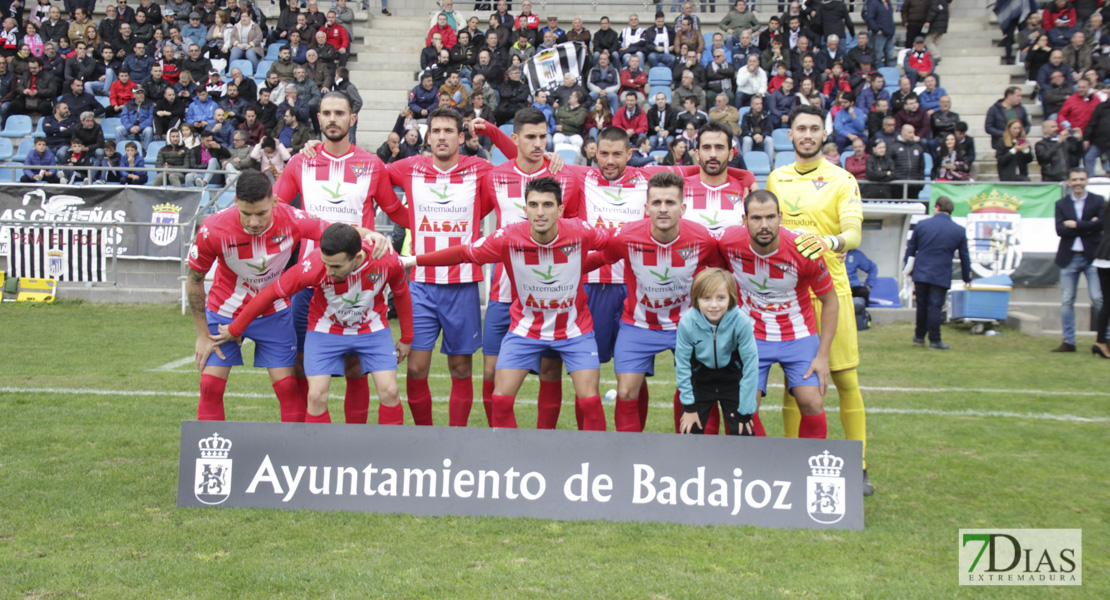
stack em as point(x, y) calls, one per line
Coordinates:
point(919, 61)
point(633, 78)
point(339, 39)
point(1079, 107)
point(442, 28)
point(530, 22)
point(1061, 8)
point(631, 117)
point(121, 92)
point(837, 81)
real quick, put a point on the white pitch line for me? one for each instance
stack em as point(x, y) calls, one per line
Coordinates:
point(659, 405)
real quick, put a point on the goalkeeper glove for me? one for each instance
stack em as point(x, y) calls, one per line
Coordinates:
point(812, 246)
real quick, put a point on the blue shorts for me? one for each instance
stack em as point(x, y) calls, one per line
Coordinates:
point(453, 308)
point(794, 356)
point(494, 327)
point(519, 352)
point(275, 344)
point(326, 353)
point(637, 347)
point(606, 304)
point(299, 305)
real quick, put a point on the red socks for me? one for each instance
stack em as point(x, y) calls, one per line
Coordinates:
point(460, 402)
point(323, 417)
point(356, 402)
point(813, 426)
point(757, 426)
point(211, 405)
point(292, 403)
point(420, 400)
point(677, 413)
point(391, 415)
point(487, 400)
point(302, 385)
point(503, 414)
point(549, 402)
point(626, 416)
point(578, 412)
point(643, 405)
point(593, 415)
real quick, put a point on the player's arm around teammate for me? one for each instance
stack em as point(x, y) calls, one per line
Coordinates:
point(716, 359)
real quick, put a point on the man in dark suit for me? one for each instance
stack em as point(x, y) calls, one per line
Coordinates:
point(1080, 232)
point(929, 261)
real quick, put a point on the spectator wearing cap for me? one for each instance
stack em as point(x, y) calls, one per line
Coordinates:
point(194, 31)
point(176, 13)
point(553, 27)
point(918, 62)
point(137, 118)
point(860, 74)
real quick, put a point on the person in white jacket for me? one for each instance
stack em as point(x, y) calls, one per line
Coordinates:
point(750, 81)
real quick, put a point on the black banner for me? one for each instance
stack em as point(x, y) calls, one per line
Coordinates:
point(106, 205)
point(563, 475)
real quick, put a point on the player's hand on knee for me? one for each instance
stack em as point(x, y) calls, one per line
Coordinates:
point(224, 335)
point(820, 365)
point(689, 419)
point(204, 348)
point(402, 351)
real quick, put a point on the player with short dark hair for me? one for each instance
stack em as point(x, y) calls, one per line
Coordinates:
point(823, 199)
point(661, 256)
point(544, 259)
point(715, 195)
point(775, 284)
point(347, 318)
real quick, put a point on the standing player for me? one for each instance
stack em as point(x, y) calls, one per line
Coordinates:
point(824, 200)
point(253, 241)
point(714, 197)
point(347, 317)
point(505, 192)
point(775, 283)
point(661, 256)
point(341, 184)
point(544, 259)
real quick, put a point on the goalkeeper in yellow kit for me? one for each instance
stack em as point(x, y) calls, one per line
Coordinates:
point(824, 200)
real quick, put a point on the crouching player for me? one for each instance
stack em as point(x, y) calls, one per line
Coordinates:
point(716, 359)
point(775, 281)
point(543, 258)
point(346, 316)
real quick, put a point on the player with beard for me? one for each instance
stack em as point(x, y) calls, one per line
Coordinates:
point(714, 197)
point(823, 200)
point(661, 257)
point(341, 184)
point(543, 258)
point(775, 284)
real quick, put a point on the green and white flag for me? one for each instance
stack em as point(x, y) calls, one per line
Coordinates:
point(1011, 229)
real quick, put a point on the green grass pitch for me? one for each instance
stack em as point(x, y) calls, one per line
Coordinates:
point(996, 433)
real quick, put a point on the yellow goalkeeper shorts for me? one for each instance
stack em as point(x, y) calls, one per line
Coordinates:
point(844, 353)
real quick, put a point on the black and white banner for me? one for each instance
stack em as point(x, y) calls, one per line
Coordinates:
point(545, 70)
point(101, 207)
point(60, 253)
point(562, 475)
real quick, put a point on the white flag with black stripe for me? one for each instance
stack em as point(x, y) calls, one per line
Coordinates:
point(545, 70)
point(61, 253)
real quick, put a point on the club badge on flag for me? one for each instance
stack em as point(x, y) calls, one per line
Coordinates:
point(165, 214)
point(546, 69)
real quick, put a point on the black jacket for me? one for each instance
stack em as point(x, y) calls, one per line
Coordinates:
point(1055, 157)
point(1098, 128)
point(1087, 229)
point(666, 118)
point(753, 123)
point(909, 159)
point(607, 40)
point(1012, 166)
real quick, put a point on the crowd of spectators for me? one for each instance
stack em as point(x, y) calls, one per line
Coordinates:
point(213, 83)
point(661, 79)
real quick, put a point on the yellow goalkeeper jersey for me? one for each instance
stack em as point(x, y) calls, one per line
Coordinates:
point(824, 201)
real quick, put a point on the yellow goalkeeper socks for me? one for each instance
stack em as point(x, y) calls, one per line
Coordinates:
point(791, 416)
point(852, 414)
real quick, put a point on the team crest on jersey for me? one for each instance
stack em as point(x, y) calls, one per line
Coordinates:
point(734, 198)
point(819, 182)
point(277, 239)
point(374, 277)
point(568, 249)
point(360, 169)
point(686, 253)
point(784, 267)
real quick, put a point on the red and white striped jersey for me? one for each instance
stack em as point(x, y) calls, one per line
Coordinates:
point(659, 276)
point(716, 207)
point(548, 301)
point(774, 289)
point(249, 263)
point(505, 192)
point(352, 306)
point(609, 205)
point(445, 210)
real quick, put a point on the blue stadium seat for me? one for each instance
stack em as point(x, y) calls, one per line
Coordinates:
point(103, 100)
point(109, 126)
point(225, 200)
point(844, 157)
point(890, 89)
point(784, 158)
point(498, 157)
point(884, 292)
point(272, 51)
point(743, 111)
point(658, 154)
point(8, 175)
point(659, 76)
point(708, 37)
point(263, 68)
point(152, 154)
point(569, 156)
point(660, 89)
point(25, 148)
point(7, 149)
point(928, 167)
point(507, 129)
point(38, 129)
point(758, 163)
point(246, 66)
point(891, 75)
point(781, 138)
point(17, 126)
